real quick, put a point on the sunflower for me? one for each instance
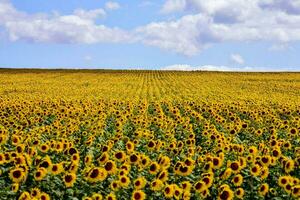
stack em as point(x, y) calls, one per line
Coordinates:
point(40, 174)
point(96, 174)
point(110, 167)
point(169, 191)
point(138, 195)
point(237, 180)
point(35, 193)
point(185, 170)
point(177, 192)
point(226, 174)
point(200, 186)
point(226, 194)
point(154, 168)
point(208, 166)
point(111, 196)
point(75, 158)
point(133, 159)
point(289, 166)
point(288, 188)
point(24, 196)
point(120, 156)
point(276, 152)
point(263, 189)
point(186, 185)
point(163, 175)
point(46, 163)
point(239, 193)
point(56, 169)
point(217, 162)
point(265, 160)
point(156, 185)
point(235, 166)
point(255, 170)
point(97, 196)
point(129, 146)
point(115, 185)
point(208, 180)
point(44, 196)
point(2, 158)
point(283, 181)
point(44, 148)
point(140, 183)
point(252, 150)
point(69, 179)
point(264, 173)
point(124, 181)
point(17, 175)
point(296, 191)
point(88, 159)
point(15, 187)
point(103, 158)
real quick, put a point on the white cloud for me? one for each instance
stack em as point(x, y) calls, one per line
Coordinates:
point(111, 5)
point(238, 59)
point(173, 6)
point(90, 14)
point(184, 67)
point(183, 36)
point(78, 27)
point(146, 3)
point(88, 58)
point(203, 24)
point(280, 47)
point(210, 22)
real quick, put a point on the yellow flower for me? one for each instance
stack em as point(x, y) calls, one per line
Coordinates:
point(226, 194)
point(186, 185)
point(226, 174)
point(97, 196)
point(129, 146)
point(156, 185)
point(263, 189)
point(283, 181)
point(124, 181)
point(111, 196)
point(140, 183)
point(40, 174)
point(289, 166)
point(17, 175)
point(115, 185)
point(239, 192)
point(163, 175)
point(138, 195)
point(255, 170)
point(296, 191)
point(237, 180)
point(56, 169)
point(154, 168)
point(35, 193)
point(69, 179)
point(45, 196)
point(200, 186)
point(169, 191)
point(96, 174)
point(24, 196)
point(15, 187)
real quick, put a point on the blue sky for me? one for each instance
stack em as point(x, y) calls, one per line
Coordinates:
point(162, 34)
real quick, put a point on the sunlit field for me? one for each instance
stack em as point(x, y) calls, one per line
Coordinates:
point(100, 134)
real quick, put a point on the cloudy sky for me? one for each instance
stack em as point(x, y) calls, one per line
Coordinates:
point(262, 35)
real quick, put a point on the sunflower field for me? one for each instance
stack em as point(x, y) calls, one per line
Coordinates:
point(103, 134)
